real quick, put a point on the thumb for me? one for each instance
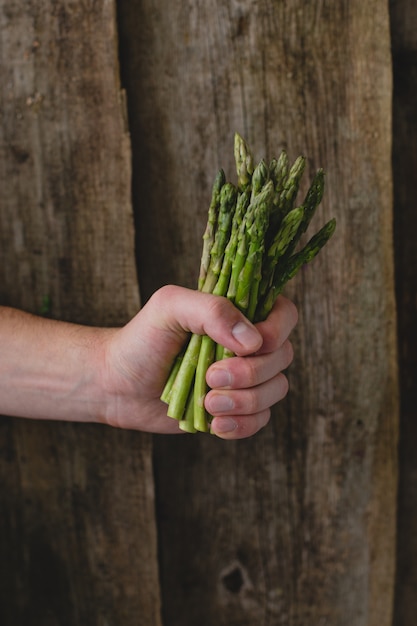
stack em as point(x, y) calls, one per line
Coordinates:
point(176, 311)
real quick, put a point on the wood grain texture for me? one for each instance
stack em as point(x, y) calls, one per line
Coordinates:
point(297, 525)
point(404, 46)
point(65, 163)
point(77, 529)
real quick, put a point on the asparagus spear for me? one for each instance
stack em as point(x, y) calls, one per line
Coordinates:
point(208, 350)
point(255, 235)
point(214, 241)
point(205, 359)
point(312, 200)
point(294, 263)
point(264, 196)
point(208, 237)
point(228, 195)
point(184, 380)
point(244, 162)
point(282, 240)
point(287, 182)
point(166, 393)
point(186, 423)
point(230, 251)
point(260, 177)
point(278, 171)
point(292, 183)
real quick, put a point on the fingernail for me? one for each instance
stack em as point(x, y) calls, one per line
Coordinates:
point(220, 403)
point(225, 425)
point(245, 334)
point(219, 377)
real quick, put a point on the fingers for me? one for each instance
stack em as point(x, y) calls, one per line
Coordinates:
point(244, 389)
point(276, 329)
point(256, 383)
point(238, 373)
point(239, 427)
point(247, 401)
point(243, 413)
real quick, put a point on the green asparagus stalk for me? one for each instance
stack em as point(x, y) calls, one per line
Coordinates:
point(166, 393)
point(292, 183)
point(312, 200)
point(208, 237)
point(255, 235)
point(245, 277)
point(228, 195)
point(260, 177)
point(209, 351)
point(310, 250)
point(230, 251)
point(294, 263)
point(244, 162)
point(278, 171)
point(282, 240)
point(186, 423)
point(287, 181)
point(184, 379)
point(263, 197)
point(205, 359)
point(249, 254)
point(215, 239)
point(214, 243)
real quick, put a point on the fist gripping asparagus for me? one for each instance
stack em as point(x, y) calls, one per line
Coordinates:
point(249, 254)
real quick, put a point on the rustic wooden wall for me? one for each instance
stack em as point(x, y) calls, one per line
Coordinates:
point(77, 531)
point(297, 525)
point(404, 45)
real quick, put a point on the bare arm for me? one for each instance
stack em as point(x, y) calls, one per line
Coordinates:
point(56, 370)
point(48, 369)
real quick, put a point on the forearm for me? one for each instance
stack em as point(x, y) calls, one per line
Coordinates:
point(47, 368)
point(56, 370)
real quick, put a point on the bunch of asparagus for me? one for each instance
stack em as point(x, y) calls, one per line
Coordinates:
point(249, 254)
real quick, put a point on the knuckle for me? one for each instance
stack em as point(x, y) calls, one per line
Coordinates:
point(284, 385)
point(251, 424)
point(248, 402)
point(289, 352)
point(293, 311)
point(164, 294)
point(248, 374)
point(217, 306)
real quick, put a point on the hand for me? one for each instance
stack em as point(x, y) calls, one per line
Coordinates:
point(137, 358)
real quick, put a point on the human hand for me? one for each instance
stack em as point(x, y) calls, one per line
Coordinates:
point(137, 359)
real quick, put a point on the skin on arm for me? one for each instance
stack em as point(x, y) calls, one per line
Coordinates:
point(47, 368)
point(56, 370)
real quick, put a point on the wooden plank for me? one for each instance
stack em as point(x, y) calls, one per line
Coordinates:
point(297, 525)
point(404, 46)
point(77, 538)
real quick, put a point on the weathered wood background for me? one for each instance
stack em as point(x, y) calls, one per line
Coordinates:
point(78, 535)
point(296, 526)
